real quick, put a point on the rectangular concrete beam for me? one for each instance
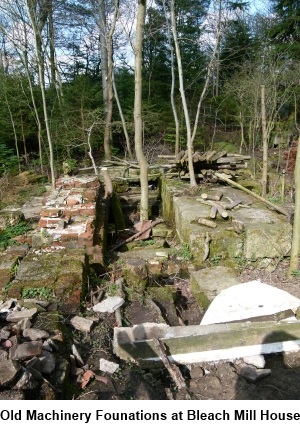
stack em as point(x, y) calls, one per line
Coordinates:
point(196, 344)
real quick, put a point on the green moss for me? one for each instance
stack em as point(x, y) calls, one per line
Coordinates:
point(202, 299)
point(117, 212)
point(225, 146)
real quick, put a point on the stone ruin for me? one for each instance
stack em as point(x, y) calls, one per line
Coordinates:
point(57, 256)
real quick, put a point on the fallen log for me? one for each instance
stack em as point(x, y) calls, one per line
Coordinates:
point(213, 212)
point(136, 235)
point(209, 155)
point(232, 204)
point(240, 187)
point(212, 195)
point(207, 222)
point(220, 207)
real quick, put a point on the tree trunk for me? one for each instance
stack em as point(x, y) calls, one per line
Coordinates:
point(264, 179)
point(138, 122)
point(174, 110)
point(193, 182)
point(294, 260)
point(40, 63)
point(104, 75)
point(127, 140)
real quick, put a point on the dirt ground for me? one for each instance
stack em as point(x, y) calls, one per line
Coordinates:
point(204, 381)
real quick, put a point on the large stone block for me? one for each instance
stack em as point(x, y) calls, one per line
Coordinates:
point(9, 217)
point(206, 284)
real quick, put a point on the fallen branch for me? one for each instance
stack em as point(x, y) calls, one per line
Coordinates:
point(206, 246)
point(212, 195)
point(171, 368)
point(207, 222)
point(240, 187)
point(120, 285)
point(136, 235)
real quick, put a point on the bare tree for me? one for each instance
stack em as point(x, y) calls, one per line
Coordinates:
point(264, 177)
point(37, 21)
point(174, 110)
point(138, 121)
point(295, 250)
point(193, 182)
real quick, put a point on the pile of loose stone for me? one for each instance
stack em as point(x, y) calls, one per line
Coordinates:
point(30, 357)
point(38, 356)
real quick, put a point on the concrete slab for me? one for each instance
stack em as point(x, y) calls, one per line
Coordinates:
point(196, 344)
point(248, 300)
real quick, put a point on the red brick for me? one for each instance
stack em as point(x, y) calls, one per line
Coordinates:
point(69, 237)
point(51, 223)
point(50, 212)
point(90, 194)
point(86, 239)
point(87, 210)
point(72, 200)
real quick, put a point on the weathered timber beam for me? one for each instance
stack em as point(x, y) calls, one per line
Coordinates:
point(240, 187)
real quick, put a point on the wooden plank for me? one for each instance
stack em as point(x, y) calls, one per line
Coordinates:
point(209, 155)
point(218, 155)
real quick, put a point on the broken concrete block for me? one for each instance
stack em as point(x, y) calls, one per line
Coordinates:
point(82, 324)
point(108, 366)
point(206, 284)
point(109, 305)
point(248, 300)
point(255, 360)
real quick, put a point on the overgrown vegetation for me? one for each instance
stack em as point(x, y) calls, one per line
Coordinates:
point(7, 236)
point(182, 252)
point(74, 94)
point(43, 293)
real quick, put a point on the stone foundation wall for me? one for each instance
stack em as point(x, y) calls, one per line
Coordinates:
point(70, 237)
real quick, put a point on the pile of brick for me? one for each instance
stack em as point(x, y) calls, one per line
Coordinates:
point(69, 212)
point(69, 240)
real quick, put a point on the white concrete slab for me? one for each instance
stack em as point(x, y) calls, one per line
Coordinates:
point(231, 354)
point(248, 300)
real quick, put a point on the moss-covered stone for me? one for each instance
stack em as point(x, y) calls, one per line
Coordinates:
point(64, 273)
point(136, 275)
point(117, 212)
point(10, 217)
point(207, 283)
point(164, 297)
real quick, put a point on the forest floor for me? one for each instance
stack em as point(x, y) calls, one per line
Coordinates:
point(215, 381)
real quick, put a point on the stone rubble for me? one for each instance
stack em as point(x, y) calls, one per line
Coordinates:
point(32, 356)
point(110, 305)
point(108, 366)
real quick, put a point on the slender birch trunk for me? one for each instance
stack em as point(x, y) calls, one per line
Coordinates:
point(264, 179)
point(138, 122)
point(172, 95)
point(193, 182)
